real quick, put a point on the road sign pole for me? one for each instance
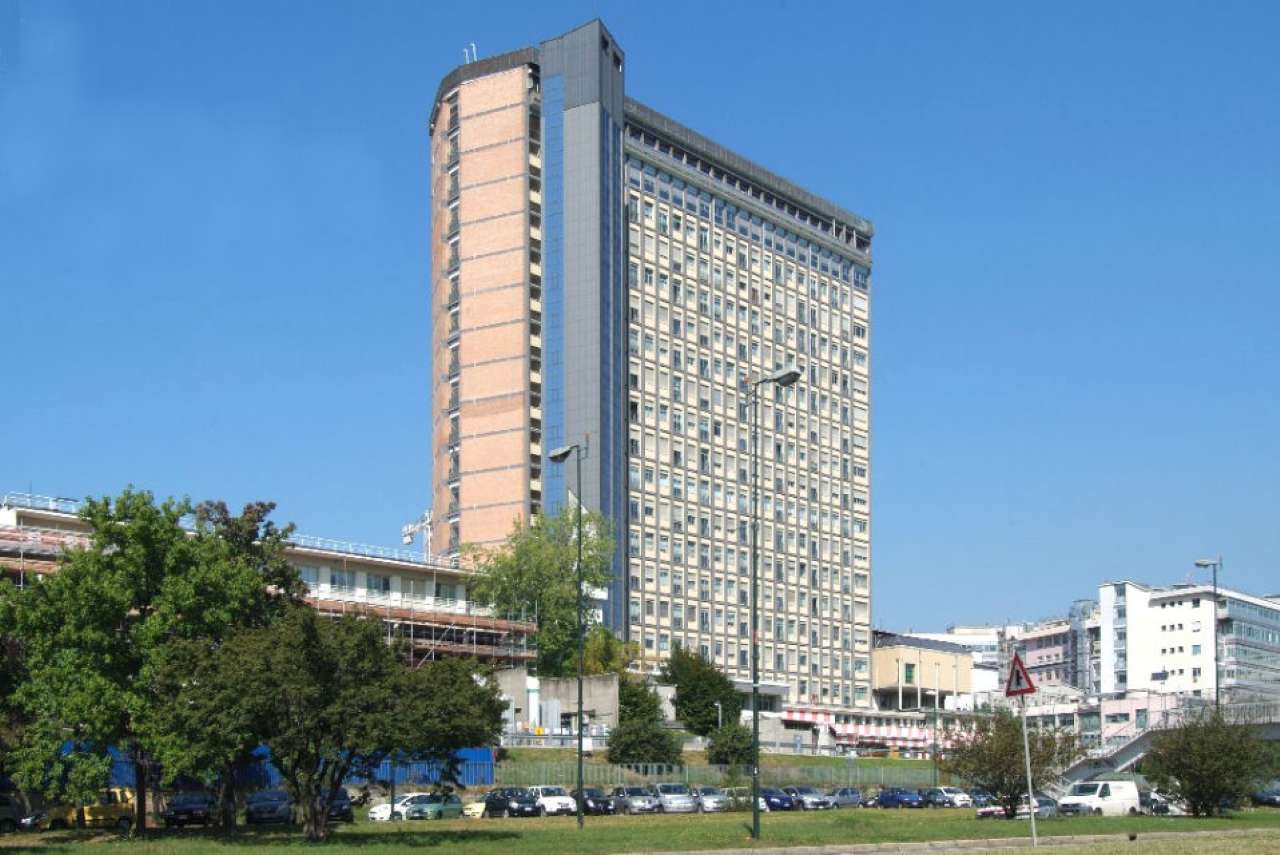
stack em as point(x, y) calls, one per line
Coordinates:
point(1026, 754)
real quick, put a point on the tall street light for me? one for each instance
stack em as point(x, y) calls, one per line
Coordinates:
point(783, 377)
point(560, 455)
point(1216, 565)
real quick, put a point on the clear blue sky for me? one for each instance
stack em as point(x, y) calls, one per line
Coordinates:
point(213, 261)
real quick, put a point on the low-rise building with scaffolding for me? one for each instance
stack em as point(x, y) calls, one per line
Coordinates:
point(420, 598)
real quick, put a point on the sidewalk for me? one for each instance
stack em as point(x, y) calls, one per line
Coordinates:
point(978, 845)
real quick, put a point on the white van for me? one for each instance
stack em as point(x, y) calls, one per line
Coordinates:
point(1103, 798)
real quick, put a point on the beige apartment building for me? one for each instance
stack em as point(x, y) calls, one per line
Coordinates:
point(603, 275)
point(913, 673)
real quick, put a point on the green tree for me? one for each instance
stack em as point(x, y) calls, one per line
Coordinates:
point(730, 746)
point(534, 571)
point(640, 736)
point(201, 733)
point(92, 633)
point(332, 698)
point(13, 720)
point(992, 757)
point(1207, 762)
point(699, 685)
point(605, 653)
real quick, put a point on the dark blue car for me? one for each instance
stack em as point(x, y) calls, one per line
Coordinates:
point(981, 798)
point(899, 797)
point(776, 799)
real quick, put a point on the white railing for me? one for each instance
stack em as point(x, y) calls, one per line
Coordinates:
point(369, 551)
point(58, 504)
point(41, 503)
point(424, 604)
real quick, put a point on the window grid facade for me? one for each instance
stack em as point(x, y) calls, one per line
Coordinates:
point(717, 296)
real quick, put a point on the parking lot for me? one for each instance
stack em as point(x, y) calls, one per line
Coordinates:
point(664, 832)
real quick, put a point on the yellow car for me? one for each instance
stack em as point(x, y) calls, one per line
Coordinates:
point(114, 808)
point(475, 810)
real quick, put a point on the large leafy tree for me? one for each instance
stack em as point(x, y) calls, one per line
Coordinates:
point(204, 734)
point(93, 634)
point(605, 653)
point(534, 571)
point(730, 746)
point(640, 736)
point(13, 719)
point(992, 757)
point(1208, 762)
point(699, 686)
point(330, 698)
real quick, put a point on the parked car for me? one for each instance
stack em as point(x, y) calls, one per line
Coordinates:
point(634, 800)
point(947, 797)
point(188, 808)
point(776, 799)
point(383, 812)
point(11, 812)
point(596, 803)
point(1045, 807)
point(340, 809)
point(740, 799)
point(268, 806)
point(474, 810)
point(1102, 798)
point(553, 801)
point(711, 799)
point(843, 797)
point(981, 798)
point(808, 798)
point(674, 798)
point(114, 808)
point(899, 797)
point(1269, 797)
point(433, 806)
point(511, 801)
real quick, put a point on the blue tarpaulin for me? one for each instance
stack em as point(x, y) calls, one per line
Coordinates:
point(475, 769)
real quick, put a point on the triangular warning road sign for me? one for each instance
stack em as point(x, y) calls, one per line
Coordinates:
point(1019, 682)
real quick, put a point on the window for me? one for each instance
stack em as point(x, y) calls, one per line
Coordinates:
point(342, 580)
point(310, 577)
point(415, 589)
point(377, 584)
point(909, 673)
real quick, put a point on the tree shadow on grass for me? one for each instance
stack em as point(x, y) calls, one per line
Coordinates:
point(340, 836)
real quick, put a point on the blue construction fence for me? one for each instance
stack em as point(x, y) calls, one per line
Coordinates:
point(475, 768)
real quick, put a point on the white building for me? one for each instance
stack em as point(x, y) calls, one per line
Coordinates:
point(1162, 640)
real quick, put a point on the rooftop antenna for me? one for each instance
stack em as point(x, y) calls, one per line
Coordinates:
point(474, 55)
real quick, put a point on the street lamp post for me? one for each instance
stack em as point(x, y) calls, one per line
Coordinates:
point(1217, 688)
point(783, 377)
point(559, 456)
point(719, 715)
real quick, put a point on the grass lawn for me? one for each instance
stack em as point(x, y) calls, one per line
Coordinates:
point(554, 836)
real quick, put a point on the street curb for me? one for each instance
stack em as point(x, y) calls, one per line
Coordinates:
point(979, 844)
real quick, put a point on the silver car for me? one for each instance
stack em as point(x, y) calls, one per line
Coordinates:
point(674, 798)
point(809, 798)
point(845, 797)
point(711, 799)
point(635, 800)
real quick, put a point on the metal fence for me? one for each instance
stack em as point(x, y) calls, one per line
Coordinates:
point(527, 774)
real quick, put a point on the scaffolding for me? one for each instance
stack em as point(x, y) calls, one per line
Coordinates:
point(434, 627)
